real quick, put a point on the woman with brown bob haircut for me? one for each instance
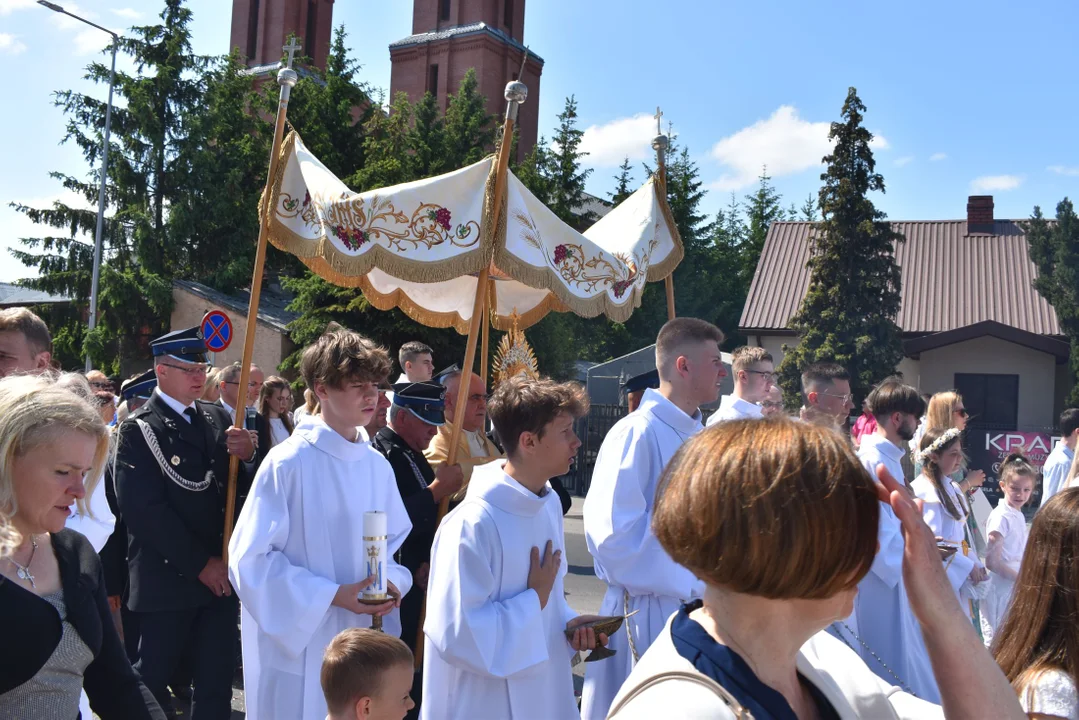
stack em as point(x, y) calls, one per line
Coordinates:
point(779, 520)
point(1038, 644)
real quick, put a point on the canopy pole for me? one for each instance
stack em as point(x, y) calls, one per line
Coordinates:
point(660, 143)
point(516, 93)
point(286, 78)
point(486, 339)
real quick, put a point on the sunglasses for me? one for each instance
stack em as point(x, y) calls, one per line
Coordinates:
point(962, 412)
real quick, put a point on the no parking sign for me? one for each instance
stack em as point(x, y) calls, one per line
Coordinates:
point(216, 331)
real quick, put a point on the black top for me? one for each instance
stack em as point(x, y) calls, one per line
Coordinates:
point(114, 553)
point(728, 669)
point(173, 528)
point(32, 630)
point(413, 474)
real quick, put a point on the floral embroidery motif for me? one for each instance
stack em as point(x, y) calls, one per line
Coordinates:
point(588, 274)
point(356, 221)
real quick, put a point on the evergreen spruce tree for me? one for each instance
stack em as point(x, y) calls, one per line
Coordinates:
point(808, 211)
point(762, 208)
point(566, 174)
point(623, 183)
point(146, 176)
point(1054, 248)
point(848, 315)
point(427, 138)
point(469, 128)
point(535, 171)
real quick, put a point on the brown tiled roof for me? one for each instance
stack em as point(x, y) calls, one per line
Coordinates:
point(950, 279)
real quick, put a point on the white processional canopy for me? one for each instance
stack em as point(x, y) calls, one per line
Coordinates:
point(420, 246)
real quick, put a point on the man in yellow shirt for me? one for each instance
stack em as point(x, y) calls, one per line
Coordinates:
point(474, 446)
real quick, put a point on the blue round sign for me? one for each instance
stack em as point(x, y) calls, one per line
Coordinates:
point(216, 330)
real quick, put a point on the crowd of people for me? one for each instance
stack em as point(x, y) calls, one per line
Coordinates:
point(764, 564)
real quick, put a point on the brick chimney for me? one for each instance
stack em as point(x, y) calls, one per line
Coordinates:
point(979, 214)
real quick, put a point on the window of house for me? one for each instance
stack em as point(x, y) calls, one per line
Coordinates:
point(432, 80)
point(253, 30)
point(444, 9)
point(312, 27)
point(507, 15)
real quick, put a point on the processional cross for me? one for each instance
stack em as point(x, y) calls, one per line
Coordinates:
point(659, 121)
point(291, 49)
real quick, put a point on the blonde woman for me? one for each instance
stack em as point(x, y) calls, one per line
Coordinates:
point(211, 392)
point(59, 636)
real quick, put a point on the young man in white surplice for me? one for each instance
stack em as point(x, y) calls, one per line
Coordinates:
point(640, 575)
point(496, 643)
point(754, 377)
point(888, 636)
point(296, 557)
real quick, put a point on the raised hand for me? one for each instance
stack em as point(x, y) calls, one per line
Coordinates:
point(542, 573)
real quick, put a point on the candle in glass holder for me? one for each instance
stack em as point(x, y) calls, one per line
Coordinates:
point(374, 552)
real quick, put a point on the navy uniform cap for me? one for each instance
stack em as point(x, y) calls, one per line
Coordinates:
point(427, 401)
point(440, 376)
point(186, 345)
point(643, 381)
point(139, 387)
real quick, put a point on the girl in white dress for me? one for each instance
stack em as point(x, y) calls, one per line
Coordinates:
point(945, 511)
point(1037, 646)
point(1007, 530)
point(275, 404)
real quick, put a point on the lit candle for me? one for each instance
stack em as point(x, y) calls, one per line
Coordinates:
point(374, 551)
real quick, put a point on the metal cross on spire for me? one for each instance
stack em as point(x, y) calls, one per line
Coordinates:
point(291, 49)
point(659, 121)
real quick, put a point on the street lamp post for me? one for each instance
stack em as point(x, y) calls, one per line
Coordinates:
point(104, 168)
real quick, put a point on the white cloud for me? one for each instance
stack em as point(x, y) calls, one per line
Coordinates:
point(11, 45)
point(905, 160)
point(995, 182)
point(128, 13)
point(937, 157)
point(609, 144)
point(879, 142)
point(785, 143)
point(1064, 170)
point(9, 6)
point(90, 41)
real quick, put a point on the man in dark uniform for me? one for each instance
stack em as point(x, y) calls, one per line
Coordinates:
point(417, 412)
point(171, 474)
point(134, 392)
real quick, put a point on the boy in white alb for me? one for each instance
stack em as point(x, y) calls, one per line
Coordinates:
point(497, 617)
point(754, 376)
point(640, 575)
point(296, 557)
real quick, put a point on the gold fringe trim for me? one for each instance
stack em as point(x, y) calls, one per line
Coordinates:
point(329, 263)
point(661, 270)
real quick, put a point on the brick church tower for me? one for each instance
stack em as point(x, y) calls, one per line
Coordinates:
point(451, 36)
point(260, 28)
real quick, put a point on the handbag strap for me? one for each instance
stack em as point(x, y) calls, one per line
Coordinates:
point(740, 713)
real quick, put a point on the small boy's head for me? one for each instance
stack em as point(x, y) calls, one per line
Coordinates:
point(367, 674)
point(534, 421)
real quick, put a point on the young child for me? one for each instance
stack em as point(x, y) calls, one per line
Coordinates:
point(945, 510)
point(367, 675)
point(497, 614)
point(1007, 530)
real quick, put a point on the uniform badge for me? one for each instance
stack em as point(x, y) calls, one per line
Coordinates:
point(175, 460)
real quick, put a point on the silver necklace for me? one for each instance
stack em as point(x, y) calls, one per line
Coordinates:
point(23, 571)
point(906, 688)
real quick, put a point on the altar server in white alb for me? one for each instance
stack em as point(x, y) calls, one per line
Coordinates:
point(754, 377)
point(888, 636)
point(296, 558)
point(640, 575)
point(497, 618)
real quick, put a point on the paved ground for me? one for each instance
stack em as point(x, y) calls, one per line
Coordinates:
point(583, 591)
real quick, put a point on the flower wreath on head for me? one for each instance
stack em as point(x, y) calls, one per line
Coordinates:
point(922, 456)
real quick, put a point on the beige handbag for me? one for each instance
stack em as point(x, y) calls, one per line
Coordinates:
point(740, 713)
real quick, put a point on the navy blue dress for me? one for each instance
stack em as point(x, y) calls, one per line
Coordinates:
point(728, 669)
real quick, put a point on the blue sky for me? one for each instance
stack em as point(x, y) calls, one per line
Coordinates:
point(965, 97)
